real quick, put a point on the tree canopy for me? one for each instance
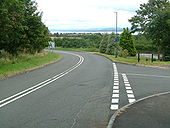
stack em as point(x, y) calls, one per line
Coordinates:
point(21, 28)
point(153, 20)
point(127, 42)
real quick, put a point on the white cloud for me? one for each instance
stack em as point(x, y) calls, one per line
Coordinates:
point(63, 14)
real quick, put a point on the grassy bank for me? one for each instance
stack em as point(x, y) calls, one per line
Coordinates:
point(25, 62)
point(134, 60)
point(129, 60)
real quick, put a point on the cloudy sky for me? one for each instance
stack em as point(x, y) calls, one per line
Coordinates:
point(83, 14)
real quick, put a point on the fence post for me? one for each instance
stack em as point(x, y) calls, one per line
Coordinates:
point(138, 57)
point(152, 58)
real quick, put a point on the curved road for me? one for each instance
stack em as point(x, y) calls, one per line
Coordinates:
point(81, 91)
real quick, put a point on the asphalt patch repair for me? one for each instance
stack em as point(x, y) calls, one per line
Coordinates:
point(152, 112)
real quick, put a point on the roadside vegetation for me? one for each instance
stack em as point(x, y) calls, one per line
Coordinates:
point(25, 62)
point(23, 36)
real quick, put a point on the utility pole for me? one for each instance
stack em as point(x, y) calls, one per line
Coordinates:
point(116, 39)
point(116, 23)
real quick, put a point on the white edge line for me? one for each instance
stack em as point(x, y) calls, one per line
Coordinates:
point(36, 87)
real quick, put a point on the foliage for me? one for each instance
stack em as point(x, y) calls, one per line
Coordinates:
point(93, 40)
point(125, 53)
point(77, 40)
point(143, 44)
point(103, 44)
point(21, 27)
point(152, 19)
point(111, 44)
point(160, 30)
point(127, 42)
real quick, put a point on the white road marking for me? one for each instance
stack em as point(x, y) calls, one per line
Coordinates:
point(115, 101)
point(42, 84)
point(126, 80)
point(127, 84)
point(115, 95)
point(129, 91)
point(115, 87)
point(114, 107)
point(131, 100)
point(116, 83)
point(130, 95)
point(115, 91)
point(128, 88)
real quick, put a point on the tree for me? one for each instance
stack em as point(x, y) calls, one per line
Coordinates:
point(103, 44)
point(11, 28)
point(36, 33)
point(111, 44)
point(159, 31)
point(127, 42)
point(152, 20)
point(21, 28)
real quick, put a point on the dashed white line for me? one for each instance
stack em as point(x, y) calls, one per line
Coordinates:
point(127, 84)
point(131, 100)
point(115, 100)
point(129, 91)
point(115, 95)
point(130, 95)
point(128, 88)
point(115, 87)
point(114, 107)
point(115, 91)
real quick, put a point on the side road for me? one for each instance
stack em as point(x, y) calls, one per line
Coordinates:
point(149, 112)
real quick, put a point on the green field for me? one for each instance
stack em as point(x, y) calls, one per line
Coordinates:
point(25, 63)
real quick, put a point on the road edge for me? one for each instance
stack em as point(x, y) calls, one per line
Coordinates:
point(122, 109)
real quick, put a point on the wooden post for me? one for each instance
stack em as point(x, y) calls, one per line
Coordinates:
point(138, 57)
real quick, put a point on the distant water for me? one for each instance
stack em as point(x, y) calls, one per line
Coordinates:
point(85, 32)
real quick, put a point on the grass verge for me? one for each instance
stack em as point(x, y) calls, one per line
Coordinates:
point(134, 60)
point(25, 63)
point(128, 60)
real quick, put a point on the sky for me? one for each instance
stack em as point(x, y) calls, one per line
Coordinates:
point(84, 14)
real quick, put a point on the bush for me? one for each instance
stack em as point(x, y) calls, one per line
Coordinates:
point(125, 53)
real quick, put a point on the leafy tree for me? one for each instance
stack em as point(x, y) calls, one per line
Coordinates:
point(11, 28)
point(159, 31)
point(21, 27)
point(111, 44)
point(103, 44)
point(143, 44)
point(152, 20)
point(36, 33)
point(127, 42)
